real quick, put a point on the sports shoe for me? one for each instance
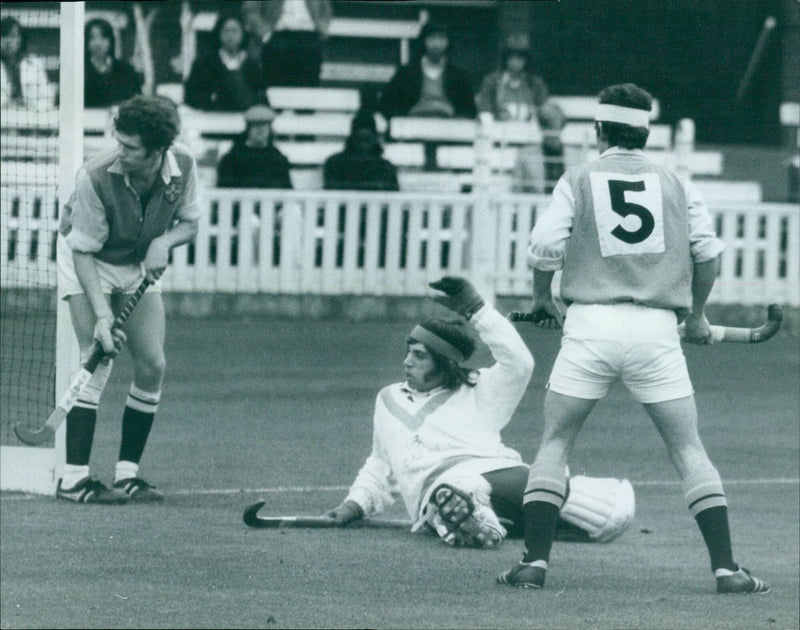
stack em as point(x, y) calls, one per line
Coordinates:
point(523, 576)
point(741, 582)
point(138, 489)
point(89, 490)
point(470, 525)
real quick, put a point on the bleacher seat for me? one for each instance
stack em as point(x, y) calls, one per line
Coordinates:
point(462, 157)
point(306, 178)
point(433, 129)
point(404, 31)
point(98, 121)
point(722, 191)
point(173, 91)
point(790, 114)
point(324, 124)
point(306, 153)
point(356, 72)
point(314, 98)
point(704, 163)
point(405, 154)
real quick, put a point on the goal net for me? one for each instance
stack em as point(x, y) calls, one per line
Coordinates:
point(41, 119)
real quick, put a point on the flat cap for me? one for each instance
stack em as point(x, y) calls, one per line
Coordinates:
point(259, 114)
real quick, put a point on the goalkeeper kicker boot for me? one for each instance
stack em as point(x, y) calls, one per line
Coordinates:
point(523, 575)
point(471, 525)
point(137, 489)
point(741, 582)
point(89, 490)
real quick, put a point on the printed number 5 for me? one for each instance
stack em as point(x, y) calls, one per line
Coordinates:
point(617, 189)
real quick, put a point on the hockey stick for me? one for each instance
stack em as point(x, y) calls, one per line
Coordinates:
point(729, 334)
point(252, 519)
point(43, 434)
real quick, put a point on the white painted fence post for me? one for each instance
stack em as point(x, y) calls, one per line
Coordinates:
point(291, 260)
point(484, 218)
point(683, 147)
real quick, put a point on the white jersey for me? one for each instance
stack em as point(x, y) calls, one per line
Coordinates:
point(624, 230)
point(418, 436)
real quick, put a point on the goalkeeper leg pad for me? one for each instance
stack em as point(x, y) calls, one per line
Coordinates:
point(602, 507)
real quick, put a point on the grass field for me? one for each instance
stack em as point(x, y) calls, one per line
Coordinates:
point(281, 410)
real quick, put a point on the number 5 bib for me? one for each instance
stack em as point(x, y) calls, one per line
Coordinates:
point(628, 212)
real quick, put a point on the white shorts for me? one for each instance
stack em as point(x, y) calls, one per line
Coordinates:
point(113, 278)
point(635, 344)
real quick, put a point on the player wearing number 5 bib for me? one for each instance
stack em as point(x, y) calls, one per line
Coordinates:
point(638, 254)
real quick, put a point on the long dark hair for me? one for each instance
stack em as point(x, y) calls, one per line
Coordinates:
point(105, 30)
point(455, 333)
point(217, 30)
point(7, 24)
point(453, 374)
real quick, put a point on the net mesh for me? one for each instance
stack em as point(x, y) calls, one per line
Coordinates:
point(28, 214)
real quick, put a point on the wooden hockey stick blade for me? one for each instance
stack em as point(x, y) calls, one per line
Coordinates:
point(34, 437)
point(252, 519)
point(732, 334)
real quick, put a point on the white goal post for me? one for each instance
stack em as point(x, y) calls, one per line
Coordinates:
point(24, 468)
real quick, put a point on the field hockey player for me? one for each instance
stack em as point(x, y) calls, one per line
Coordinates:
point(131, 205)
point(437, 442)
point(638, 254)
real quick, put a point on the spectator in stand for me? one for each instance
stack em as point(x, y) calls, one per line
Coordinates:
point(288, 38)
point(514, 92)
point(254, 161)
point(23, 80)
point(225, 79)
point(431, 85)
point(361, 165)
point(107, 80)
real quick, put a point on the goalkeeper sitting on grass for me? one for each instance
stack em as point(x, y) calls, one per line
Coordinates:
point(437, 443)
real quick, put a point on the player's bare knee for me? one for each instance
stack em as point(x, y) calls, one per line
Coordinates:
point(151, 371)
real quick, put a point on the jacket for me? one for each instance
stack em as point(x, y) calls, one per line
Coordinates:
point(211, 86)
point(405, 87)
point(253, 167)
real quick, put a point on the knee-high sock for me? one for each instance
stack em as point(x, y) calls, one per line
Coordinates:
point(140, 409)
point(709, 506)
point(541, 503)
point(81, 422)
point(82, 418)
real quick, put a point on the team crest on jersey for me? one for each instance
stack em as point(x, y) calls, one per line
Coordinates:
point(172, 192)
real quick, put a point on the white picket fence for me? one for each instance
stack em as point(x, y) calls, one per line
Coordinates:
point(331, 242)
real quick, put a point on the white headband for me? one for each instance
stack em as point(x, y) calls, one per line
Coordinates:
point(623, 115)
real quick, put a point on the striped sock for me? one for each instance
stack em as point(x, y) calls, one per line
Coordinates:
point(137, 419)
point(709, 506)
point(541, 503)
